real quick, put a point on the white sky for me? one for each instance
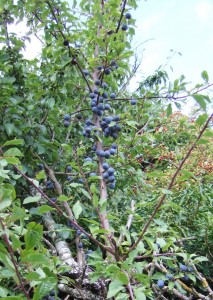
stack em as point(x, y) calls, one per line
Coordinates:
point(186, 26)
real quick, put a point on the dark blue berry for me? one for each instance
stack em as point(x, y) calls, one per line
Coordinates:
point(183, 268)
point(111, 178)
point(116, 118)
point(114, 146)
point(69, 178)
point(124, 27)
point(105, 95)
point(92, 95)
point(107, 154)
point(111, 171)
point(88, 159)
point(92, 174)
point(97, 82)
point(105, 175)
point(107, 106)
point(169, 276)
point(107, 71)
point(112, 96)
point(66, 123)
point(86, 72)
point(67, 117)
point(69, 168)
point(128, 16)
point(105, 166)
point(133, 101)
point(80, 245)
point(112, 186)
point(112, 151)
point(104, 85)
point(160, 283)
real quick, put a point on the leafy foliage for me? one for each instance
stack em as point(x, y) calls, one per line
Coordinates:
point(104, 194)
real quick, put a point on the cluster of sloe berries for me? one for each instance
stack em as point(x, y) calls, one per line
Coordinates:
point(124, 27)
point(89, 128)
point(108, 175)
point(69, 169)
point(108, 125)
point(170, 276)
point(67, 119)
point(106, 153)
point(50, 296)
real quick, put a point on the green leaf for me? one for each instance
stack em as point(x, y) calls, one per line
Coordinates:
point(205, 76)
point(13, 142)
point(74, 184)
point(16, 243)
point(4, 292)
point(10, 128)
point(95, 200)
point(169, 110)
point(201, 119)
point(3, 174)
point(43, 289)
point(200, 100)
point(139, 294)
point(186, 175)
point(41, 175)
point(31, 199)
point(13, 152)
point(63, 198)
point(132, 124)
point(4, 204)
point(36, 259)
point(203, 141)
point(12, 160)
point(77, 209)
point(33, 235)
point(122, 277)
point(201, 259)
point(114, 288)
point(167, 192)
point(41, 210)
point(86, 194)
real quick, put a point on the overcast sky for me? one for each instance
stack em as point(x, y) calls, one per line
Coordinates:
point(186, 26)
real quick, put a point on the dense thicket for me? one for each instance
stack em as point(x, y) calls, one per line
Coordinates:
point(105, 192)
